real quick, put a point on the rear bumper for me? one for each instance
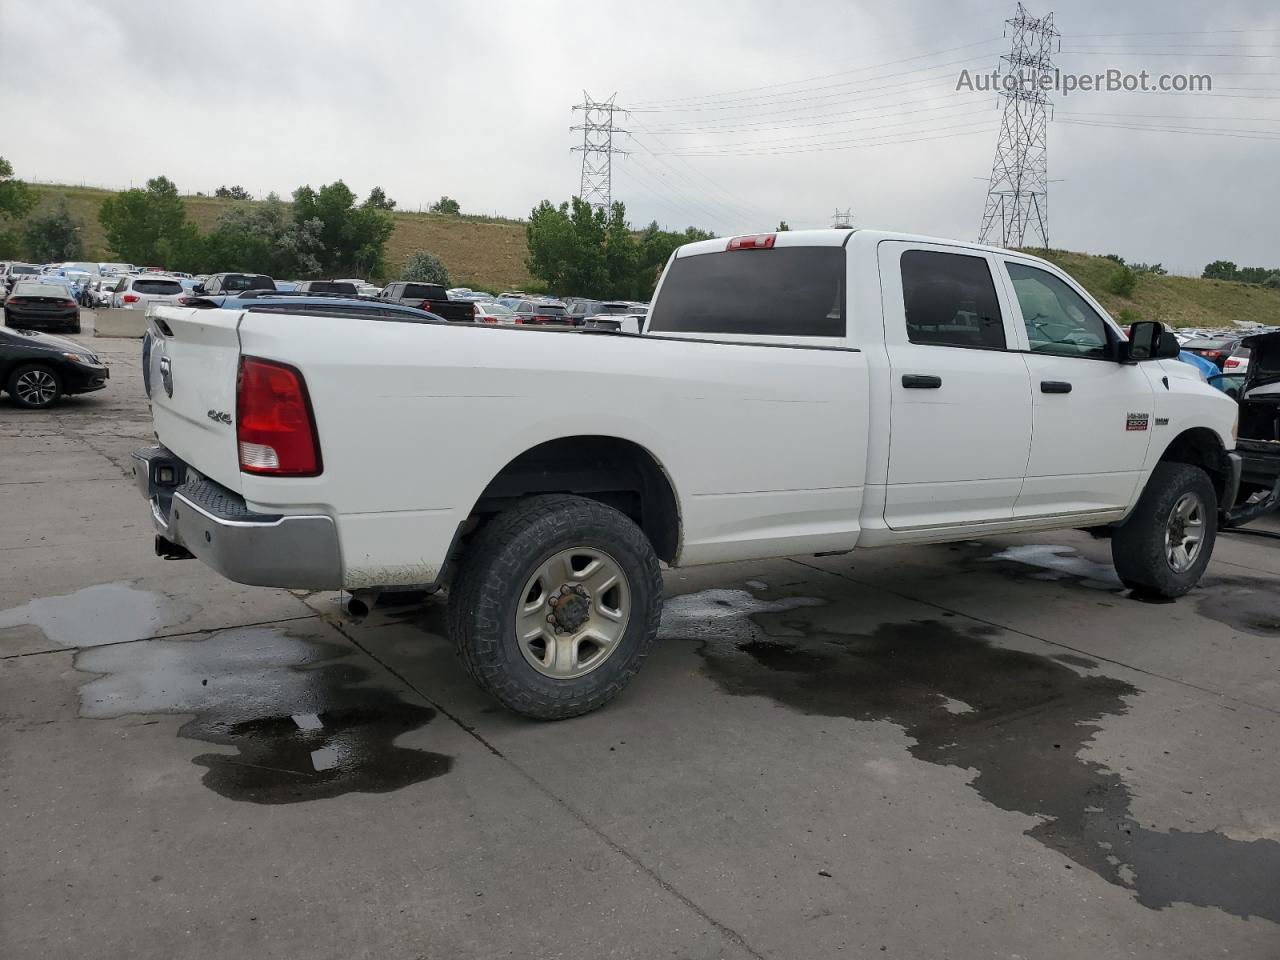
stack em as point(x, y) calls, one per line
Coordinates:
point(214, 525)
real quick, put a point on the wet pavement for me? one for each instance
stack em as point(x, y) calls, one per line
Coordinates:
point(982, 749)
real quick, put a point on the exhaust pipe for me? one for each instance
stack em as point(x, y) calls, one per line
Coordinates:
point(361, 602)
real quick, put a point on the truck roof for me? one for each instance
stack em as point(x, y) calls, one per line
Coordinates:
point(833, 237)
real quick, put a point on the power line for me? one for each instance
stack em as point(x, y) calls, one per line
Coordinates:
point(804, 123)
point(825, 76)
point(737, 206)
point(1197, 131)
point(1018, 191)
point(937, 133)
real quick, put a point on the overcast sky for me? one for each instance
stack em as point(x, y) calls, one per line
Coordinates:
point(472, 98)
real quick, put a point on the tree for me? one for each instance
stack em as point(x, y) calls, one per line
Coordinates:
point(1220, 270)
point(424, 267)
point(782, 226)
point(233, 193)
point(353, 239)
point(1273, 280)
point(445, 205)
point(150, 226)
point(264, 238)
point(16, 201)
point(378, 200)
point(621, 255)
point(1121, 280)
point(54, 235)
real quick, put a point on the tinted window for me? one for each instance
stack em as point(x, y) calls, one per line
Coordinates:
point(1207, 343)
point(24, 271)
point(547, 309)
point(951, 300)
point(40, 290)
point(243, 281)
point(783, 292)
point(1057, 318)
point(164, 288)
point(424, 291)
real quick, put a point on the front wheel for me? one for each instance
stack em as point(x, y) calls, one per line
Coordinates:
point(34, 386)
point(1165, 545)
point(555, 605)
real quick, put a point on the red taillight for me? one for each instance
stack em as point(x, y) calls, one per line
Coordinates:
point(131, 298)
point(1232, 362)
point(756, 241)
point(17, 300)
point(275, 428)
point(1211, 354)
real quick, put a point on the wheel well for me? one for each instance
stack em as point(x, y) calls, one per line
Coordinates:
point(1202, 448)
point(618, 472)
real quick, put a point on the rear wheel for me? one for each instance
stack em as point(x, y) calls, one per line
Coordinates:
point(1165, 545)
point(555, 605)
point(34, 386)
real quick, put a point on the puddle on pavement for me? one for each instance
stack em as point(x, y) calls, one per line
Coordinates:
point(1060, 563)
point(1248, 604)
point(301, 714)
point(103, 613)
point(1018, 720)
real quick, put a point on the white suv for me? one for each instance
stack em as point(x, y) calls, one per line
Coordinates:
point(138, 292)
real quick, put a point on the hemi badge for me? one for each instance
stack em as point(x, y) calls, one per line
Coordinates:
point(1162, 421)
point(1137, 421)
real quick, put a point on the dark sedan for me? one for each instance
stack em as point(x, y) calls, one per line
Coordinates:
point(42, 306)
point(37, 370)
point(1214, 349)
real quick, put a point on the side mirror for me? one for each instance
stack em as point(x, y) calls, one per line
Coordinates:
point(1149, 340)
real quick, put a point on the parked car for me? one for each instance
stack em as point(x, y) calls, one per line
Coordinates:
point(39, 305)
point(973, 392)
point(579, 309)
point(37, 370)
point(1216, 349)
point(139, 291)
point(328, 286)
point(81, 266)
point(540, 312)
point(1238, 362)
point(431, 297)
point(116, 268)
point(13, 272)
point(223, 283)
point(1257, 390)
point(487, 311)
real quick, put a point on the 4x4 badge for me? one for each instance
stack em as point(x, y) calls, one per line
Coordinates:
point(217, 416)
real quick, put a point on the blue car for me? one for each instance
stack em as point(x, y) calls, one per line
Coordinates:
point(1207, 368)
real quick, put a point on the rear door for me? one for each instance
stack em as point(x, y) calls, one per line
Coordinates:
point(193, 363)
point(1093, 416)
point(960, 398)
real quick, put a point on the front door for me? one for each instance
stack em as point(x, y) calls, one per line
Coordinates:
point(1092, 416)
point(960, 404)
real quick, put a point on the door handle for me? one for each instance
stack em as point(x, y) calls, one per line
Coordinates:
point(1054, 386)
point(921, 381)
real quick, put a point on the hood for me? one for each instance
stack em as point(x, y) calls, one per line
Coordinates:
point(33, 338)
point(1264, 359)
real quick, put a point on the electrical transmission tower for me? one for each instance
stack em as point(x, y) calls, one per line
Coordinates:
point(1018, 192)
point(842, 219)
point(597, 149)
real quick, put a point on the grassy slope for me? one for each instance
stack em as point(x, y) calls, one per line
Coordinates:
point(482, 253)
point(489, 255)
point(1179, 301)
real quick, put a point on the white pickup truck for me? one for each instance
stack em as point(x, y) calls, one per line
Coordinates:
point(809, 392)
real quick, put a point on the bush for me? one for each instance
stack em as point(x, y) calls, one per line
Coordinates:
point(1122, 280)
point(446, 205)
point(424, 267)
point(1128, 316)
point(1155, 269)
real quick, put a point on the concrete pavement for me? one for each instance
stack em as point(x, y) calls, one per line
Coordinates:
point(975, 750)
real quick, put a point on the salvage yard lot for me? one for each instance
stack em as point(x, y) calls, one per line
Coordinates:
point(975, 750)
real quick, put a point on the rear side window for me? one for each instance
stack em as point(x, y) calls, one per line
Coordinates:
point(780, 292)
point(163, 288)
point(951, 300)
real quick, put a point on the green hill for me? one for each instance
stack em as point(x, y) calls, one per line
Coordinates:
point(480, 252)
point(489, 254)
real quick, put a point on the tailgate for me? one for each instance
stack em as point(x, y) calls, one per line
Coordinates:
point(193, 362)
